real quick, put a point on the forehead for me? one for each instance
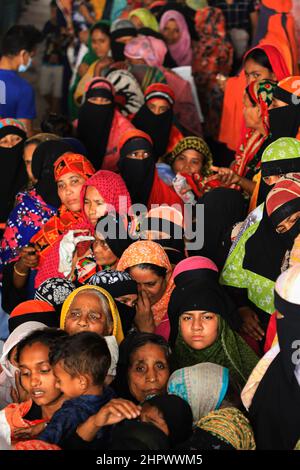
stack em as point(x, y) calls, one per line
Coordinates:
point(191, 153)
point(84, 298)
point(158, 102)
point(33, 354)
point(68, 176)
point(252, 66)
point(91, 191)
point(148, 352)
point(143, 275)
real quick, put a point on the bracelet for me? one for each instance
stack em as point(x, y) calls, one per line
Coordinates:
point(18, 273)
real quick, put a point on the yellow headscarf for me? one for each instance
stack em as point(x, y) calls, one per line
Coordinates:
point(117, 325)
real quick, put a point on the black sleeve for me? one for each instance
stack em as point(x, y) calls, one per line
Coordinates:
point(11, 296)
point(238, 295)
point(74, 442)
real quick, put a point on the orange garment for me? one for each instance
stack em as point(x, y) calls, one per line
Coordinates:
point(175, 137)
point(231, 130)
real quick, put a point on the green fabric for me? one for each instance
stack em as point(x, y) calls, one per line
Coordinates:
point(146, 75)
point(260, 289)
point(282, 149)
point(229, 350)
point(196, 4)
point(146, 17)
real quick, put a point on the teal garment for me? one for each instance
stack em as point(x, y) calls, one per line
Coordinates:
point(117, 9)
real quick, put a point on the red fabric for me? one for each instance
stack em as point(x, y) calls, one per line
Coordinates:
point(162, 194)
point(159, 88)
point(174, 138)
point(31, 306)
point(232, 135)
point(133, 134)
point(73, 163)
point(271, 332)
point(35, 445)
point(119, 126)
point(284, 191)
point(199, 184)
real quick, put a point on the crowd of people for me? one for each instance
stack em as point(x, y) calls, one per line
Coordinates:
point(150, 227)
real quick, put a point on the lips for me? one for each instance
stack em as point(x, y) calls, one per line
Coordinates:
point(37, 393)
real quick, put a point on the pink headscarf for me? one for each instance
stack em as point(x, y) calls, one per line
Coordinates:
point(182, 50)
point(194, 262)
point(148, 48)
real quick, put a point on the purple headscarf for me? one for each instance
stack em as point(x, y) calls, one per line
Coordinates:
point(182, 50)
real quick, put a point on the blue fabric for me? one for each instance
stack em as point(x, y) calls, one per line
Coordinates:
point(26, 219)
point(74, 412)
point(18, 96)
point(117, 9)
point(224, 387)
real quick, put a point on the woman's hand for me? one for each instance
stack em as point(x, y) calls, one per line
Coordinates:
point(22, 434)
point(251, 324)
point(29, 259)
point(19, 394)
point(221, 81)
point(225, 175)
point(115, 411)
point(143, 319)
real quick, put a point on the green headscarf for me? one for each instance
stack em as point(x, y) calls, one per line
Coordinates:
point(281, 157)
point(146, 17)
point(229, 350)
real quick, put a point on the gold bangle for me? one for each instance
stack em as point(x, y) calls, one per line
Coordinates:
point(18, 273)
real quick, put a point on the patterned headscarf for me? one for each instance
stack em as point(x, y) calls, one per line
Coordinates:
point(151, 50)
point(281, 157)
point(117, 283)
point(182, 50)
point(203, 386)
point(283, 200)
point(261, 94)
point(9, 126)
point(73, 163)
point(231, 426)
point(117, 325)
point(195, 143)
point(146, 17)
point(54, 291)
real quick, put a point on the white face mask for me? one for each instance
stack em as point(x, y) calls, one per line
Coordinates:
point(23, 68)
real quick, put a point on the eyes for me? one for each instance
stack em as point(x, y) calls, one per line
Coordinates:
point(100, 244)
point(62, 185)
point(182, 159)
point(27, 373)
point(98, 202)
point(206, 317)
point(142, 368)
point(91, 316)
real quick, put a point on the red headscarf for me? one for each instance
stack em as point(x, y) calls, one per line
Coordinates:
point(73, 163)
point(276, 60)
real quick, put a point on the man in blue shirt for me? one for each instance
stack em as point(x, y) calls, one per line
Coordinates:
point(17, 98)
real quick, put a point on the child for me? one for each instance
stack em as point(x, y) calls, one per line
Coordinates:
point(27, 419)
point(80, 363)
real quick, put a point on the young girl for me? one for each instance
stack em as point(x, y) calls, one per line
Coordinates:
point(28, 419)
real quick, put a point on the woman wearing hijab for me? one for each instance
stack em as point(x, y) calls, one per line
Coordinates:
point(201, 319)
point(142, 17)
point(54, 291)
point(148, 264)
point(176, 33)
point(213, 54)
point(260, 255)
point(137, 168)
point(123, 289)
point(12, 138)
point(155, 118)
point(276, 420)
point(33, 310)
point(262, 62)
point(100, 124)
point(36, 206)
point(122, 31)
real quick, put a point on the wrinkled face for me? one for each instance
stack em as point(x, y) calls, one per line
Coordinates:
point(27, 155)
point(94, 205)
point(10, 141)
point(86, 314)
point(171, 32)
point(149, 372)
point(199, 329)
point(138, 155)
point(255, 71)
point(129, 299)
point(102, 252)
point(190, 161)
point(251, 113)
point(100, 43)
point(158, 106)
point(68, 385)
point(151, 414)
point(288, 223)
point(149, 282)
point(68, 189)
point(37, 375)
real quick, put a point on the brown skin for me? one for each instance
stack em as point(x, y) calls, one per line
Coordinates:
point(158, 106)
point(138, 155)
point(149, 372)
point(199, 329)
point(73, 387)
point(189, 161)
point(251, 324)
point(288, 223)
point(151, 414)
point(9, 141)
point(69, 188)
point(255, 71)
point(94, 205)
point(171, 32)
point(150, 282)
point(102, 253)
point(86, 314)
point(100, 44)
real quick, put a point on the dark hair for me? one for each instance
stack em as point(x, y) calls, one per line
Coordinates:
point(260, 57)
point(46, 336)
point(141, 339)
point(18, 38)
point(83, 353)
point(53, 4)
point(158, 270)
point(57, 124)
point(104, 28)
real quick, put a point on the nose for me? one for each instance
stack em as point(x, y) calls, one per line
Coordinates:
point(151, 375)
point(35, 380)
point(197, 325)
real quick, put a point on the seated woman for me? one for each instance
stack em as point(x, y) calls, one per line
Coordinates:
point(264, 62)
point(174, 28)
point(142, 355)
point(35, 206)
point(148, 264)
point(143, 18)
point(137, 168)
point(260, 254)
point(257, 101)
point(276, 421)
point(12, 138)
point(121, 31)
point(100, 124)
point(200, 318)
point(155, 118)
point(192, 158)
